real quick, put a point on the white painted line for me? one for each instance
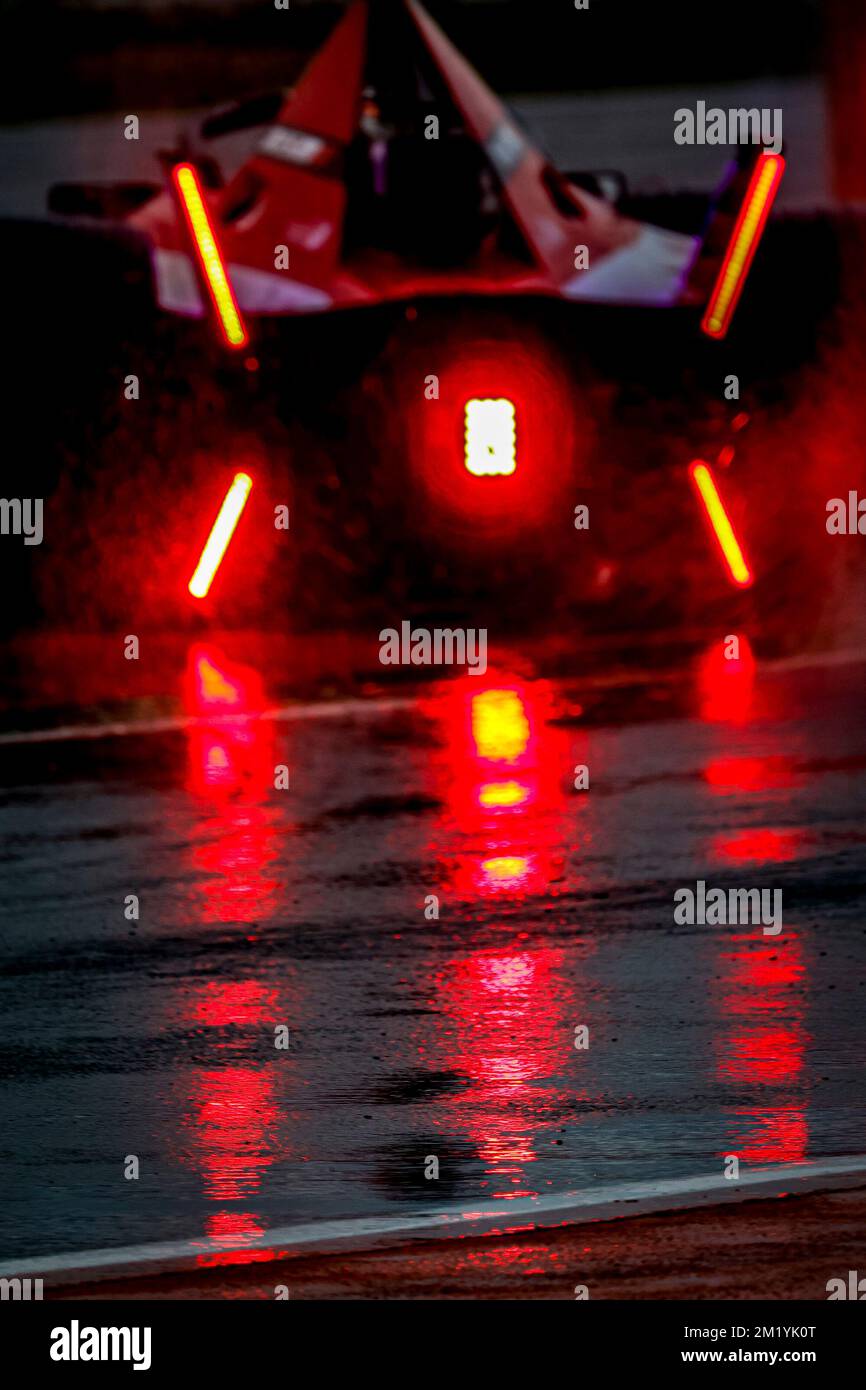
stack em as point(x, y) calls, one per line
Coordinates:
point(334, 709)
point(818, 661)
point(373, 706)
point(604, 1203)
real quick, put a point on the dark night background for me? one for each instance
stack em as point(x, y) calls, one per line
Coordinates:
point(65, 56)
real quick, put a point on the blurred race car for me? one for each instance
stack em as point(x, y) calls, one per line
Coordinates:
point(392, 171)
point(535, 340)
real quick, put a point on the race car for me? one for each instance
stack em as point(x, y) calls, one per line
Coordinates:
point(392, 171)
point(389, 210)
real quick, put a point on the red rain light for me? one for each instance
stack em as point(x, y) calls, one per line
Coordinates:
point(721, 524)
point(221, 533)
point(491, 439)
point(762, 190)
point(506, 871)
point(204, 239)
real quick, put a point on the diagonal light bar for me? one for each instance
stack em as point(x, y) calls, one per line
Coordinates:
point(762, 190)
point(201, 229)
point(221, 533)
point(720, 522)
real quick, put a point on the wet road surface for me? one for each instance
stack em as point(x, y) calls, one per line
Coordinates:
point(310, 907)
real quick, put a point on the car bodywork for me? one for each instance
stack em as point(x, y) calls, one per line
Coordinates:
point(392, 171)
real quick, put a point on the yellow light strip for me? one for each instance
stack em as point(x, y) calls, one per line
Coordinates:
point(210, 260)
point(720, 522)
point(744, 243)
point(221, 533)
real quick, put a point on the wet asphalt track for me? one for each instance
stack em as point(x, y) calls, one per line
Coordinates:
point(411, 1037)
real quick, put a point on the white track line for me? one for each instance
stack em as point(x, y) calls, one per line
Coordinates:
point(339, 709)
point(335, 709)
point(604, 1203)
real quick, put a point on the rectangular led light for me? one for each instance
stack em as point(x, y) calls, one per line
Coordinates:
point(211, 262)
point(221, 533)
point(720, 523)
point(491, 441)
point(763, 187)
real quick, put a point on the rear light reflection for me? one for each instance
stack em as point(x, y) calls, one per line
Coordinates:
point(500, 795)
point(500, 727)
point(720, 522)
point(221, 533)
point(491, 438)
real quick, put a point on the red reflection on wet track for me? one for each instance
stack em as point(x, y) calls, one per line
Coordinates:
point(236, 1226)
point(760, 978)
point(500, 725)
point(232, 1109)
point(231, 768)
point(234, 1229)
point(726, 685)
point(502, 795)
point(759, 846)
point(508, 1034)
point(242, 1002)
point(762, 1041)
point(214, 685)
point(750, 774)
point(502, 776)
point(509, 871)
point(236, 886)
point(775, 1136)
point(765, 1047)
point(768, 1055)
point(233, 1112)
